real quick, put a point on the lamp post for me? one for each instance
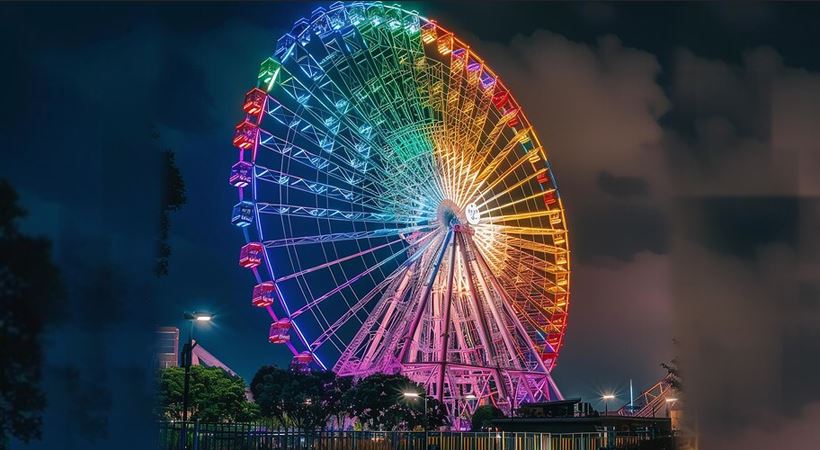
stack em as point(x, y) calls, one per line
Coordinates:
point(187, 353)
point(417, 395)
point(668, 402)
point(606, 398)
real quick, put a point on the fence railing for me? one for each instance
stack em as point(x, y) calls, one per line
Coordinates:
point(198, 436)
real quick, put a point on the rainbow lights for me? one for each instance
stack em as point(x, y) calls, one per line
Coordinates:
point(399, 210)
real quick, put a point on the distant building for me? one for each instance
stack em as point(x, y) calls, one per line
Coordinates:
point(575, 416)
point(166, 353)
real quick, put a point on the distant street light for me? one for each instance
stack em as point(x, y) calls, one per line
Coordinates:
point(417, 395)
point(470, 397)
point(669, 401)
point(187, 354)
point(606, 398)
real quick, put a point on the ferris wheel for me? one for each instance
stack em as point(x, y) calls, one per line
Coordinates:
point(400, 212)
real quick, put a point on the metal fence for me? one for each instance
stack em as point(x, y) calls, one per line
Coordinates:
point(197, 436)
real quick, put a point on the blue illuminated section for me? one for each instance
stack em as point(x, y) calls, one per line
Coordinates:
point(243, 213)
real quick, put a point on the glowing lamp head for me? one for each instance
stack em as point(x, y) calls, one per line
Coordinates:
point(199, 316)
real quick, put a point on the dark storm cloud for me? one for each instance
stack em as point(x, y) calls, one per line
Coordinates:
point(619, 231)
point(742, 226)
point(622, 186)
point(744, 261)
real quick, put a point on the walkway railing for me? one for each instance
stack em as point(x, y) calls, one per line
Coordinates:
point(199, 436)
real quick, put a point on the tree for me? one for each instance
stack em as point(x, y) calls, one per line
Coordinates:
point(484, 415)
point(215, 395)
point(673, 374)
point(378, 403)
point(30, 288)
point(172, 199)
point(304, 400)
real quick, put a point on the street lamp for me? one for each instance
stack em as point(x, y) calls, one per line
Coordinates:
point(668, 402)
point(187, 353)
point(606, 398)
point(417, 395)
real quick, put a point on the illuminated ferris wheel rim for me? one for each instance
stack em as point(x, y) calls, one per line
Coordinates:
point(426, 211)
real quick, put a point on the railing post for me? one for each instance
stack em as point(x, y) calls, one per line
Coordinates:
point(196, 435)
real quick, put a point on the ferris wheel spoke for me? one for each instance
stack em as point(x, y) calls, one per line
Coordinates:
point(420, 301)
point(339, 237)
point(338, 261)
point(347, 258)
point(339, 173)
point(313, 303)
point(330, 331)
point(350, 175)
point(331, 120)
point(376, 203)
point(375, 115)
point(516, 242)
point(527, 231)
point(538, 195)
point(517, 185)
point(482, 151)
point(521, 216)
point(335, 214)
point(310, 126)
point(509, 304)
point(373, 65)
point(553, 275)
point(330, 141)
point(309, 186)
point(490, 168)
point(391, 279)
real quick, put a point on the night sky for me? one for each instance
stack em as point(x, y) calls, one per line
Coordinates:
point(684, 137)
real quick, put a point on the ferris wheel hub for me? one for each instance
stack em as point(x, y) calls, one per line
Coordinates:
point(449, 214)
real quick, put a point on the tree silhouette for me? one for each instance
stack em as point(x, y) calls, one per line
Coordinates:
point(30, 290)
point(483, 417)
point(304, 400)
point(173, 198)
point(215, 396)
point(673, 373)
point(378, 403)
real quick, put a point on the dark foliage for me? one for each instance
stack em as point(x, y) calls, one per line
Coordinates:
point(215, 395)
point(304, 400)
point(173, 198)
point(483, 417)
point(30, 290)
point(673, 373)
point(378, 403)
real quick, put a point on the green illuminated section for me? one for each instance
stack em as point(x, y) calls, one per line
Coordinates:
point(268, 71)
